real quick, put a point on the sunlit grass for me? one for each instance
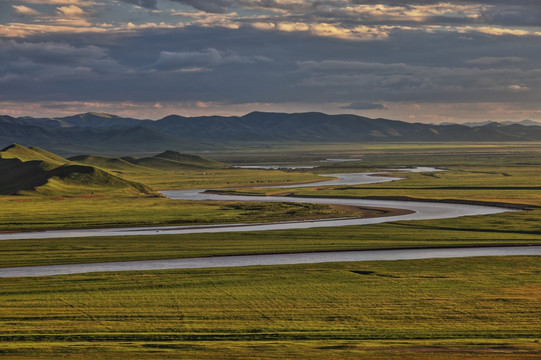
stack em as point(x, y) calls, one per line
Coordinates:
point(38, 213)
point(460, 306)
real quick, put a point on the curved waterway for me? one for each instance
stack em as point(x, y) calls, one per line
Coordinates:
point(419, 211)
point(272, 259)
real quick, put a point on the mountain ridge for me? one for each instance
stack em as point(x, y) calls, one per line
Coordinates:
point(108, 134)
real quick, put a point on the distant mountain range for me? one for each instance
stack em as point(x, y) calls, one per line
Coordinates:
point(109, 134)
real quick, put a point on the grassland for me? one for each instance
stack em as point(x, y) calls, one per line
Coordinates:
point(203, 179)
point(484, 308)
point(515, 185)
point(488, 181)
point(45, 213)
point(479, 308)
point(500, 229)
point(96, 191)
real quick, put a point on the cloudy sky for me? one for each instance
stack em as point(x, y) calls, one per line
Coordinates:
point(412, 60)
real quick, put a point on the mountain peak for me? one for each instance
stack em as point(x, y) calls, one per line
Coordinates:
point(12, 146)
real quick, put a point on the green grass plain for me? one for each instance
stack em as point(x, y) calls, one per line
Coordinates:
point(478, 308)
point(500, 229)
point(485, 308)
point(45, 213)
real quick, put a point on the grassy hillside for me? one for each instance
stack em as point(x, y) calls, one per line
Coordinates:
point(25, 154)
point(36, 171)
point(167, 160)
point(105, 162)
point(78, 179)
point(191, 160)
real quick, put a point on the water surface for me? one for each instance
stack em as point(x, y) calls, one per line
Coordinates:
point(273, 259)
point(419, 211)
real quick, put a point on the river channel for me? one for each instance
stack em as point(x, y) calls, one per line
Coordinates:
point(419, 211)
point(268, 259)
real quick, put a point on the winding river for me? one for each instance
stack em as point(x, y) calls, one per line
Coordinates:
point(419, 211)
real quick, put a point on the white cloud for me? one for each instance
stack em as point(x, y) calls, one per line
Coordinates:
point(25, 10)
point(70, 11)
point(519, 88)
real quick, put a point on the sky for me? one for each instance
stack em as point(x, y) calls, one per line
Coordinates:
point(412, 60)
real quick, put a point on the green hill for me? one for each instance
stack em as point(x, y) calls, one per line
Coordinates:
point(36, 171)
point(191, 160)
point(104, 162)
point(25, 154)
point(168, 160)
point(76, 179)
point(172, 160)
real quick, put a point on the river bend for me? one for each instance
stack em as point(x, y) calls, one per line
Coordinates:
point(419, 211)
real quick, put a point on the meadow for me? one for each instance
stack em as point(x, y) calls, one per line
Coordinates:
point(476, 308)
point(486, 308)
point(46, 213)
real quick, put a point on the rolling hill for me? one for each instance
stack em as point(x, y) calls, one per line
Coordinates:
point(99, 133)
point(168, 160)
point(38, 172)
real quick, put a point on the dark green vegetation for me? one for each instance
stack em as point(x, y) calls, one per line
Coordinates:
point(107, 134)
point(476, 308)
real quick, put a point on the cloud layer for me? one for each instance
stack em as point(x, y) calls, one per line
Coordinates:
point(423, 60)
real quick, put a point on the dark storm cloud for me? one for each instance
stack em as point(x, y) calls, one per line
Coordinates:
point(400, 82)
point(316, 52)
point(512, 14)
point(531, 3)
point(50, 62)
point(495, 12)
point(222, 6)
point(207, 58)
point(248, 65)
point(211, 6)
point(49, 52)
